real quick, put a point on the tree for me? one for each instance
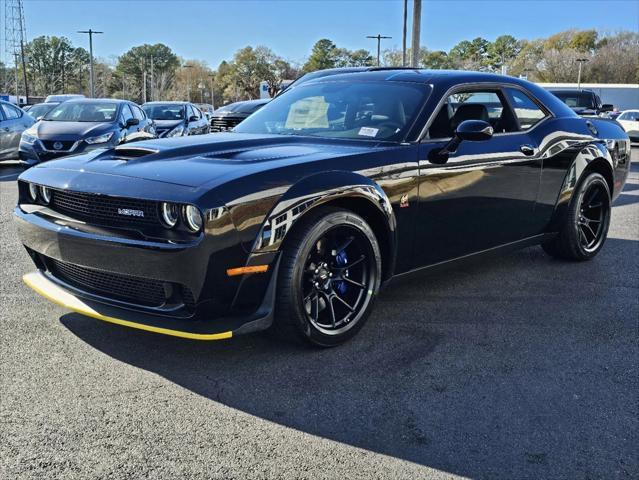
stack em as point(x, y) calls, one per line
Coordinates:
point(323, 55)
point(502, 51)
point(437, 60)
point(56, 66)
point(133, 65)
point(584, 40)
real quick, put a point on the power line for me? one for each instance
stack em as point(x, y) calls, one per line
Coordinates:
point(91, 78)
point(379, 41)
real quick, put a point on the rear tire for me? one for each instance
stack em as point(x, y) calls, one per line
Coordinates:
point(329, 275)
point(586, 227)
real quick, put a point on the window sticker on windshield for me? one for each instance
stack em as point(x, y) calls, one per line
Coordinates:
point(368, 131)
point(308, 112)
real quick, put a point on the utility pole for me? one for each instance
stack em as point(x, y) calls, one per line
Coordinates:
point(212, 94)
point(152, 82)
point(417, 20)
point(15, 33)
point(580, 61)
point(91, 78)
point(404, 33)
point(379, 41)
point(144, 86)
point(188, 80)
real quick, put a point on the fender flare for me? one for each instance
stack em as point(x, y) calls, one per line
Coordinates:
point(592, 157)
point(320, 189)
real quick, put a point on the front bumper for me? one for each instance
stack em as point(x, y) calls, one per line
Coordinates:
point(215, 311)
point(219, 329)
point(36, 152)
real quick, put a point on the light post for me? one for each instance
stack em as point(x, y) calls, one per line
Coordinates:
point(188, 79)
point(379, 40)
point(91, 78)
point(201, 86)
point(580, 61)
point(212, 94)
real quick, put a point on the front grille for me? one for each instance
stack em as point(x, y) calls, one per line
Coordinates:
point(65, 145)
point(136, 290)
point(222, 124)
point(105, 210)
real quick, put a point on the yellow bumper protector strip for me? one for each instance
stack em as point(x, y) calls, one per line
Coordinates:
point(51, 291)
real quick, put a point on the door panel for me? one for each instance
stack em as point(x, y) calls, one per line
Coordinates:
point(484, 196)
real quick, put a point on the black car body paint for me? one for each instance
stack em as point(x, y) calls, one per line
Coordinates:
point(252, 189)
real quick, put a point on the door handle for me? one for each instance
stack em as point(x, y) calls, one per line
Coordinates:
point(527, 149)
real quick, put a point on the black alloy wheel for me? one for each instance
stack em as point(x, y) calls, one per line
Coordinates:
point(586, 227)
point(329, 276)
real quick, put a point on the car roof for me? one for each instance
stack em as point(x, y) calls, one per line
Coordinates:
point(570, 90)
point(97, 100)
point(168, 102)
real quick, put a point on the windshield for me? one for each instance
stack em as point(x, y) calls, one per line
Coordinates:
point(164, 111)
point(41, 109)
point(575, 99)
point(83, 112)
point(242, 107)
point(364, 111)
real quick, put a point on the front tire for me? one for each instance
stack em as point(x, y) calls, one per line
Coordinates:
point(329, 275)
point(586, 228)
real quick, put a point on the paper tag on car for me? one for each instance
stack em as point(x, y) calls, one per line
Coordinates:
point(368, 131)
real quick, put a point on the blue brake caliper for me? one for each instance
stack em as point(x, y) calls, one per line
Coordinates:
point(341, 260)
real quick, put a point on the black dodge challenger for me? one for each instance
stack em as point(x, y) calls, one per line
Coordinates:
point(296, 218)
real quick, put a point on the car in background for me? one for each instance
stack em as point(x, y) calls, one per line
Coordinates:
point(41, 109)
point(76, 126)
point(228, 116)
point(13, 121)
point(582, 102)
point(629, 120)
point(63, 97)
point(176, 119)
point(207, 109)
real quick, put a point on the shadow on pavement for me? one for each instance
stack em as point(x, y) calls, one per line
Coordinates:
point(10, 170)
point(517, 368)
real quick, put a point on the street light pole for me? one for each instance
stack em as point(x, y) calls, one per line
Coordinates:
point(91, 78)
point(417, 21)
point(379, 41)
point(580, 61)
point(404, 33)
point(188, 79)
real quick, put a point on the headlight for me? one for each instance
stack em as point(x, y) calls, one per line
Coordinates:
point(28, 138)
point(45, 193)
point(193, 218)
point(176, 132)
point(33, 191)
point(99, 139)
point(170, 214)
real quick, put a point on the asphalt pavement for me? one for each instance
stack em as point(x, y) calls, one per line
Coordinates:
point(521, 367)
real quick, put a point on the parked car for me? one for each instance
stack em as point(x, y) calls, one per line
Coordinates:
point(296, 218)
point(41, 109)
point(76, 126)
point(207, 109)
point(583, 102)
point(176, 119)
point(63, 97)
point(13, 121)
point(229, 116)
point(629, 120)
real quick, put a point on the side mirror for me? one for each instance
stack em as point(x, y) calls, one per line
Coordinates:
point(466, 131)
point(132, 121)
point(193, 118)
point(607, 107)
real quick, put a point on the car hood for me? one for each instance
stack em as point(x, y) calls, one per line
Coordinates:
point(167, 123)
point(206, 159)
point(47, 129)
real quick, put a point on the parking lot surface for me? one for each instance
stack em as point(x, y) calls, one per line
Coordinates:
point(517, 367)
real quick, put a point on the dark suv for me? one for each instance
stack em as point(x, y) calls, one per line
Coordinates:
point(583, 102)
point(76, 126)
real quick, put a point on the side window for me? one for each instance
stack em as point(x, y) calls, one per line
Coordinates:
point(197, 112)
point(486, 105)
point(138, 113)
point(527, 112)
point(126, 113)
point(10, 112)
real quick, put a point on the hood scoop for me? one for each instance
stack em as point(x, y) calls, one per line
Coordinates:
point(129, 152)
point(263, 154)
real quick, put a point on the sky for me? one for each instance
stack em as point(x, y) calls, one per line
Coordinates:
point(212, 30)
